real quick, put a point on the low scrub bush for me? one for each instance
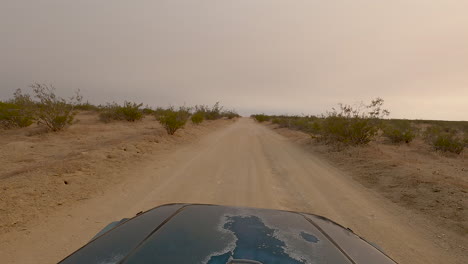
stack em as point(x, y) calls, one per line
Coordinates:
point(399, 131)
point(261, 118)
point(51, 110)
point(213, 113)
point(353, 125)
point(197, 118)
point(87, 107)
point(18, 112)
point(129, 111)
point(147, 111)
point(444, 139)
point(448, 143)
point(173, 120)
point(230, 114)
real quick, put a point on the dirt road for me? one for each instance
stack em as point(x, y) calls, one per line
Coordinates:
point(243, 164)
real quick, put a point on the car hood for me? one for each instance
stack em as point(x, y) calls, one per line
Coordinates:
point(187, 233)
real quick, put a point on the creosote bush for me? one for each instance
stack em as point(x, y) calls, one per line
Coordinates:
point(87, 107)
point(197, 118)
point(399, 131)
point(173, 120)
point(444, 139)
point(261, 118)
point(353, 125)
point(448, 143)
point(129, 111)
point(51, 110)
point(18, 112)
point(230, 114)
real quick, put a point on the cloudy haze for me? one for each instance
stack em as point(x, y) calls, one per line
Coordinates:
point(254, 55)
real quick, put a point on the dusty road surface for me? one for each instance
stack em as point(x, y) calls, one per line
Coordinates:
point(243, 164)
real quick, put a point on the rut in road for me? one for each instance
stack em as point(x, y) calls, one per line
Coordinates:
point(246, 164)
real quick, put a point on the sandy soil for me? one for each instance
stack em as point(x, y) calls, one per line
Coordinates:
point(42, 172)
point(243, 164)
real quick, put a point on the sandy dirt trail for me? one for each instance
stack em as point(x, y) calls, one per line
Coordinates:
point(244, 164)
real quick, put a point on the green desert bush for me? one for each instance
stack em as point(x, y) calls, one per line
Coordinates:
point(197, 118)
point(444, 139)
point(51, 110)
point(399, 131)
point(448, 143)
point(129, 111)
point(261, 118)
point(147, 111)
point(230, 114)
point(213, 113)
point(87, 107)
point(173, 120)
point(18, 112)
point(353, 125)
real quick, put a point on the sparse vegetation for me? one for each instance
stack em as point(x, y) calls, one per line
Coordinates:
point(87, 107)
point(444, 139)
point(261, 118)
point(353, 125)
point(173, 120)
point(53, 111)
point(358, 125)
point(399, 131)
point(17, 112)
point(213, 113)
point(197, 118)
point(448, 143)
point(230, 114)
point(129, 111)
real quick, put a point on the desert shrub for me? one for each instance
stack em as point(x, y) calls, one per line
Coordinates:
point(444, 139)
point(87, 107)
point(353, 125)
point(173, 120)
point(51, 110)
point(448, 143)
point(18, 112)
point(314, 127)
point(11, 116)
point(213, 113)
point(283, 122)
point(159, 111)
point(197, 118)
point(147, 111)
point(129, 111)
point(308, 124)
point(230, 114)
point(261, 117)
point(399, 131)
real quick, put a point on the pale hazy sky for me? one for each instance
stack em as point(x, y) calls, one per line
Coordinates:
point(267, 56)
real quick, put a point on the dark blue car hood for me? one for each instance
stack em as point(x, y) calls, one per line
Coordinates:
point(181, 233)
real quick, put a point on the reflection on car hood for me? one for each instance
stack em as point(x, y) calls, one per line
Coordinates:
point(181, 233)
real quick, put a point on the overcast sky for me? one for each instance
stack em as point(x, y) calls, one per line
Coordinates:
point(267, 56)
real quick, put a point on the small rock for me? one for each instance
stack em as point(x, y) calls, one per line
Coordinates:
point(65, 182)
